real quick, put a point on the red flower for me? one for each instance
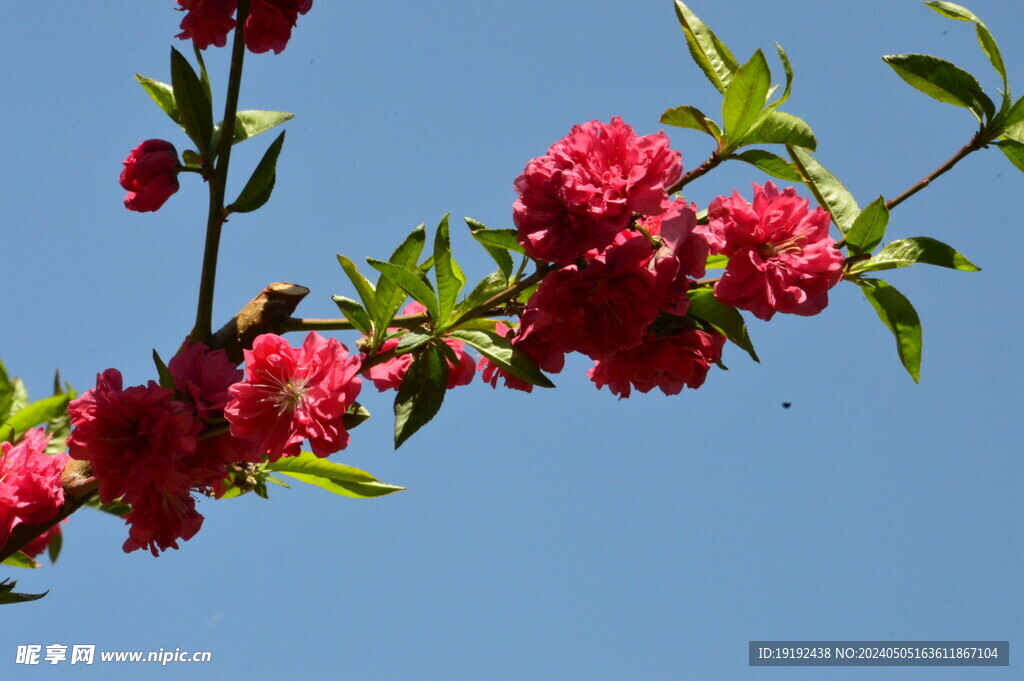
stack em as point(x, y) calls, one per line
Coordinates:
point(293, 394)
point(781, 258)
point(134, 439)
point(533, 337)
point(388, 375)
point(31, 489)
point(584, 191)
point(158, 520)
point(270, 23)
point(150, 175)
point(204, 376)
point(207, 22)
point(608, 304)
point(667, 363)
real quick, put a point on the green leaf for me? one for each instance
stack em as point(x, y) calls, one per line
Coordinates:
point(6, 394)
point(788, 69)
point(20, 396)
point(745, 97)
point(869, 228)
point(355, 415)
point(20, 560)
point(716, 262)
point(162, 372)
point(499, 350)
point(408, 282)
point(943, 81)
point(204, 77)
point(412, 341)
point(693, 118)
point(194, 107)
point(921, 249)
point(7, 594)
point(116, 508)
point(1014, 151)
point(162, 94)
point(363, 287)
point(260, 186)
point(769, 163)
point(900, 317)
point(500, 255)
point(1014, 115)
point(355, 313)
point(709, 53)
point(726, 320)
point(829, 191)
point(54, 547)
point(450, 279)
point(333, 477)
point(390, 296)
point(250, 123)
point(421, 394)
point(499, 238)
point(779, 127)
point(1014, 132)
point(38, 413)
point(988, 43)
point(489, 286)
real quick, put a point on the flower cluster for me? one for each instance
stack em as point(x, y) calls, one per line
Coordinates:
point(152, 446)
point(268, 27)
point(31, 490)
point(625, 256)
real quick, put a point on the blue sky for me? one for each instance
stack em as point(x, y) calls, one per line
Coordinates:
point(564, 534)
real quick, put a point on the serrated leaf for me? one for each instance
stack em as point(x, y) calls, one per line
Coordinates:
point(355, 415)
point(788, 69)
point(828, 190)
point(412, 341)
point(869, 228)
point(690, 117)
point(363, 287)
point(499, 350)
point(334, 477)
point(260, 186)
point(7, 594)
point(389, 295)
point(450, 279)
point(917, 250)
point(6, 394)
point(204, 77)
point(421, 394)
point(37, 413)
point(195, 110)
point(1014, 133)
point(163, 373)
point(499, 238)
point(54, 547)
point(20, 398)
point(745, 97)
point(490, 286)
point(116, 508)
point(988, 44)
point(769, 163)
point(1014, 152)
point(942, 80)
point(727, 320)
point(354, 313)
point(21, 560)
point(709, 53)
point(500, 255)
point(162, 94)
point(252, 122)
point(900, 317)
point(779, 127)
point(408, 282)
point(1014, 115)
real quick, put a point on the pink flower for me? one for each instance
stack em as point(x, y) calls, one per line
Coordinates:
point(584, 191)
point(204, 376)
point(293, 394)
point(31, 489)
point(606, 305)
point(781, 258)
point(150, 175)
point(270, 23)
point(388, 375)
point(667, 363)
point(158, 520)
point(207, 22)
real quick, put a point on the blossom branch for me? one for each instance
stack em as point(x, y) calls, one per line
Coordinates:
point(297, 324)
point(704, 168)
point(268, 312)
point(218, 183)
point(977, 142)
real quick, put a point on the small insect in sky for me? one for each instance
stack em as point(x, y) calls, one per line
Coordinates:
point(787, 405)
